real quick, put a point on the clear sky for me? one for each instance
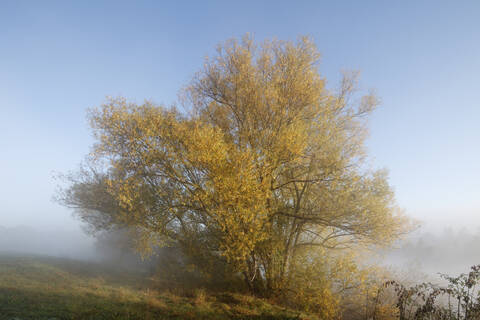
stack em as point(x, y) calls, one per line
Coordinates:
point(59, 58)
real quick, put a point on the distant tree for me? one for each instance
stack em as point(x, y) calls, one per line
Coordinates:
point(265, 169)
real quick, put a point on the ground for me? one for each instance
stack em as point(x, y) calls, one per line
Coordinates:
point(33, 287)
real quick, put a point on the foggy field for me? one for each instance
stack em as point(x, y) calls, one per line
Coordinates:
point(239, 160)
point(37, 287)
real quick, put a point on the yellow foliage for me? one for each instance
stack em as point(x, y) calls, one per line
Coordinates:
point(264, 169)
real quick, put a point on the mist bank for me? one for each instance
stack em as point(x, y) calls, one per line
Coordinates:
point(73, 244)
point(107, 248)
point(451, 250)
point(430, 251)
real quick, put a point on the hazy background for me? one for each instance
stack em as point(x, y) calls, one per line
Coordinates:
point(58, 58)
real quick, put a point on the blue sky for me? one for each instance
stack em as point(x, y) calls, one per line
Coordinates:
point(59, 58)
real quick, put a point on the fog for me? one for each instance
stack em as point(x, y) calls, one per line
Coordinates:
point(452, 250)
point(112, 249)
point(72, 243)
point(431, 249)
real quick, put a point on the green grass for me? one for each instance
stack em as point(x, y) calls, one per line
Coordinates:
point(54, 288)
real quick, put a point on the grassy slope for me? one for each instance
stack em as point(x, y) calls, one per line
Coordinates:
point(53, 288)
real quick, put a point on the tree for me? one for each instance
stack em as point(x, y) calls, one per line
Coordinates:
point(266, 166)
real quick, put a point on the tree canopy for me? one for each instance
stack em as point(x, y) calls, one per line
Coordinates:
point(264, 167)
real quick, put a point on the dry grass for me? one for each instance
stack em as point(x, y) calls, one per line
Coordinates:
point(52, 288)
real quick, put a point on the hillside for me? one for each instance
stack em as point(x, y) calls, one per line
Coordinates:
point(35, 287)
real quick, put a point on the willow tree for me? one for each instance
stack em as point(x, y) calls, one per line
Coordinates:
point(266, 166)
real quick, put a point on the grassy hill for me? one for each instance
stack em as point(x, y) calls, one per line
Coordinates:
point(53, 288)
